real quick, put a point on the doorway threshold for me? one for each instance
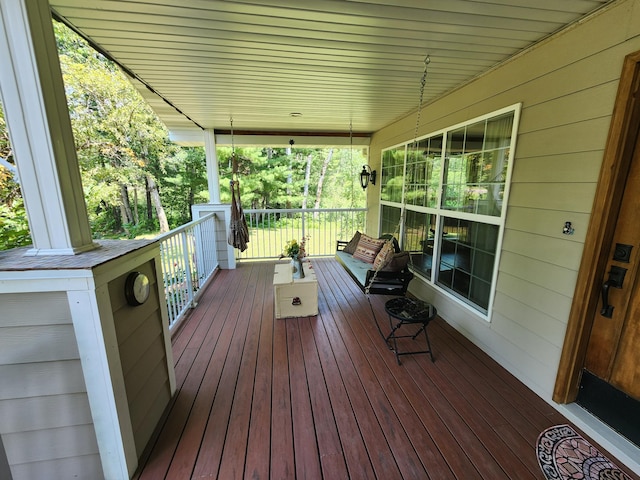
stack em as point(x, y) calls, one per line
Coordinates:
point(612, 406)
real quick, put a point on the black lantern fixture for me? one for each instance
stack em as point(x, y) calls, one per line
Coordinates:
point(367, 176)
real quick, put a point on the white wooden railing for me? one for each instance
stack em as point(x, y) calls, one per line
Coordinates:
point(271, 229)
point(189, 259)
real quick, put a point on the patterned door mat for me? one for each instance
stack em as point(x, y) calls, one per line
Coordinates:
point(564, 454)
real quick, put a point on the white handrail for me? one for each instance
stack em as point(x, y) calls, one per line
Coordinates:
point(189, 258)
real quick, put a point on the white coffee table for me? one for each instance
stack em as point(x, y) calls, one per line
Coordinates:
point(294, 297)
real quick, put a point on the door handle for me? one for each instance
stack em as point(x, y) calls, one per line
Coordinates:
point(616, 279)
point(607, 310)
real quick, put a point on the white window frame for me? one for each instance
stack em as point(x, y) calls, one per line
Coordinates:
point(441, 212)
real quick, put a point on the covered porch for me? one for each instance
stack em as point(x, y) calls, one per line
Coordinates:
point(313, 397)
point(323, 397)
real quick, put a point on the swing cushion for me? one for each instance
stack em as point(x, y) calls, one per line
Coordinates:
point(353, 244)
point(397, 262)
point(393, 279)
point(368, 248)
point(384, 256)
point(357, 268)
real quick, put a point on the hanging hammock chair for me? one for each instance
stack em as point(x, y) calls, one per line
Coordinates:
point(238, 229)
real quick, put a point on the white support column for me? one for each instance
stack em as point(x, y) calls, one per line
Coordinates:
point(33, 97)
point(213, 176)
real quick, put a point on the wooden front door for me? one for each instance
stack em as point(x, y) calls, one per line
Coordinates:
point(613, 352)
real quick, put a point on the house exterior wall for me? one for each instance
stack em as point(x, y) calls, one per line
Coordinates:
point(567, 86)
point(141, 345)
point(71, 350)
point(45, 419)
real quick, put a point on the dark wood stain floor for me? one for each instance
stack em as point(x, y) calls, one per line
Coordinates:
point(323, 397)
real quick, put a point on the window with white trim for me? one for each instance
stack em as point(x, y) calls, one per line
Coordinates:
point(445, 195)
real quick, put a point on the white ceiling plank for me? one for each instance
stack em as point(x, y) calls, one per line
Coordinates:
point(331, 59)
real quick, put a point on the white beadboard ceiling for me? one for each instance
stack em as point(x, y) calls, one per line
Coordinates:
point(201, 62)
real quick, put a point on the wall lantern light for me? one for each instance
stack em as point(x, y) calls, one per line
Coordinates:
point(366, 176)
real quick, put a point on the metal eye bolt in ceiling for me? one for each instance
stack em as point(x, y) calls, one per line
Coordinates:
point(316, 67)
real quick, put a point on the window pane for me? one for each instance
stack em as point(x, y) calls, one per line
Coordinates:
point(474, 137)
point(423, 172)
point(476, 165)
point(467, 258)
point(390, 221)
point(499, 132)
point(392, 174)
point(418, 240)
point(455, 142)
point(433, 169)
point(415, 180)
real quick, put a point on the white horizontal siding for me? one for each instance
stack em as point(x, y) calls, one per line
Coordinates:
point(86, 467)
point(70, 409)
point(33, 379)
point(50, 444)
point(40, 343)
point(45, 308)
point(44, 409)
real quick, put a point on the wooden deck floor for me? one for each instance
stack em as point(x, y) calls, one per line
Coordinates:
point(323, 398)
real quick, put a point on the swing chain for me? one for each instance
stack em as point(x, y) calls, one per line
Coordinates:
point(423, 83)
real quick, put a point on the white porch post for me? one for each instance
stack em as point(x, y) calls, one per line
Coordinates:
point(38, 119)
point(213, 177)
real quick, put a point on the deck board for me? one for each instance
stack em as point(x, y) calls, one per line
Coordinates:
point(323, 397)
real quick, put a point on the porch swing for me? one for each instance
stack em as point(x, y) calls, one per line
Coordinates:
point(362, 252)
point(385, 278)
point(402, 311)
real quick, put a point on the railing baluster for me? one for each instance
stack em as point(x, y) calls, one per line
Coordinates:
point(187, 269)
point(188, 258)
point(271, 229)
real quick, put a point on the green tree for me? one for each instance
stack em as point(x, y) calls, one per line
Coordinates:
point(185, 182)
point(14, 228)
point(277, 177)
point(121, 144)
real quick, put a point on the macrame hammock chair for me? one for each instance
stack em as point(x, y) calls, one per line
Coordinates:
point(396, 234)
point(238, 228)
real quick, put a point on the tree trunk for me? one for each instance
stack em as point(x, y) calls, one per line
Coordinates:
point(127, 214)
point(157, 203)
point(307, 175)
point(123, 218)
point(148, 195)
point(136, 218)
point(323, 172)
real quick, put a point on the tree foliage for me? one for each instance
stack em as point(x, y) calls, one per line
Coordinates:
point(121, 145)
point(276, 177)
